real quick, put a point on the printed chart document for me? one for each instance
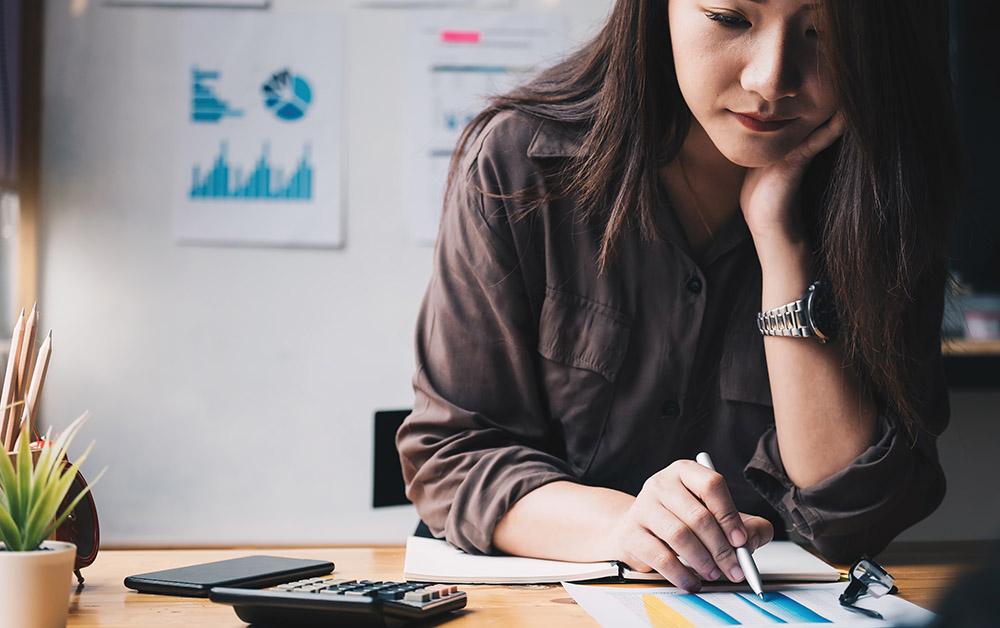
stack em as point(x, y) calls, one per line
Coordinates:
point(455, 61)
point(258, 161)
point(792, 605)
point(433, 560)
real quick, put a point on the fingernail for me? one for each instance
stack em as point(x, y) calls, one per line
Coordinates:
point(715, 574)
point(738, 538)
point(736, 575)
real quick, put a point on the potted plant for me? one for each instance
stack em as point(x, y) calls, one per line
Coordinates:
point(35, 573)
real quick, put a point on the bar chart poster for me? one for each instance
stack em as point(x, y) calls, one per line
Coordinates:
point(456, 61)
point(260, 156)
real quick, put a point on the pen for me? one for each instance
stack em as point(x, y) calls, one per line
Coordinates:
point(747, 564)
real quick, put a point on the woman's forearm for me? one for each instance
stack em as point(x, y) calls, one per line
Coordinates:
point(563, 521)
point(822, 419)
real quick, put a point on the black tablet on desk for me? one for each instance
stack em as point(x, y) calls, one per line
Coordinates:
point(245, 572)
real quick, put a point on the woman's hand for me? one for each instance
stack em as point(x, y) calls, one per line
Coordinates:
point(686, 511)
point(769, 196)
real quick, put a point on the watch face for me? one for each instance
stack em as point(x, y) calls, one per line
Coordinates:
point(822, 311)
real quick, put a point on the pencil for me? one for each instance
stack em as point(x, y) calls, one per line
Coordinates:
point(10, 377)
point(37, 381)
point(24, 364)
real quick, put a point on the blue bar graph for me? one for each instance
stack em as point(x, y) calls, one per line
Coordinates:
point(784, 609)
point(699, 604)
point(206, 106)
point(264, 182)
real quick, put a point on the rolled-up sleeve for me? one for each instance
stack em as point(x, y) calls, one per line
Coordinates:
point(896, 482)
point(477, 439)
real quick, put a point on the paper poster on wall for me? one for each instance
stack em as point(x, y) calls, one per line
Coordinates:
point(257, 4)
point(260, 156)
point(455, 61)
point(415, 4)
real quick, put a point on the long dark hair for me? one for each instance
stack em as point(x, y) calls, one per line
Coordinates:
point(880, 200)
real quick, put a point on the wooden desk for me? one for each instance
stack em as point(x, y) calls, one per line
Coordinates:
point(923, 572)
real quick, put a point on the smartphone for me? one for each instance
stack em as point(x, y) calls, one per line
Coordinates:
point(246, 572)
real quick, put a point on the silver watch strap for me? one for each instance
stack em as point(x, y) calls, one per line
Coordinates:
point(787, 320)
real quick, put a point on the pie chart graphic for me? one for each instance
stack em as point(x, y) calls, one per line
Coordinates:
point(287, 96)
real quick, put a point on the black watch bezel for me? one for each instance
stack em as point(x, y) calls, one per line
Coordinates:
point(821, 312)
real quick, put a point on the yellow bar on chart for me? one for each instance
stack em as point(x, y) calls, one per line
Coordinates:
point(662, 616)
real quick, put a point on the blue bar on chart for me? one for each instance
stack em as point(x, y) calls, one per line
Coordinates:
point(264, 182)
point(726, 609)
point(206, 106)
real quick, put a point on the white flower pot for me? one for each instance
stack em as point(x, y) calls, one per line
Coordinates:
point(35, 586)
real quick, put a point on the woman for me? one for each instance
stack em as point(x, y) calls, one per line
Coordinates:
point(621, 241)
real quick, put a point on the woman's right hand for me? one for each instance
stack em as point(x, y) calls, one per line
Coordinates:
point(686, 511)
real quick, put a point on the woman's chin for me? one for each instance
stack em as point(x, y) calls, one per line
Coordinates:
point(756, 158)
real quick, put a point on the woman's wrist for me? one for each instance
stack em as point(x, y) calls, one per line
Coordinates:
point(564, 521)
point(785, 271)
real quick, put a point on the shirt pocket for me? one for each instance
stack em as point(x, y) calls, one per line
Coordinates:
point(583, 345)
point(743, 368)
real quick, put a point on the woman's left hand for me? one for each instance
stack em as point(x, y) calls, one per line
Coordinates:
point(769, 197)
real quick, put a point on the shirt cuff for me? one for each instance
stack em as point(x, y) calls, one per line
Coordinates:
point(846, 502)
point(490, 489)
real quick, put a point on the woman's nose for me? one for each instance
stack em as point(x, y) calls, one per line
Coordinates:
point(772, 68)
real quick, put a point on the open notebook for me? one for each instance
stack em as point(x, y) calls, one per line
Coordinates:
point(433, 560)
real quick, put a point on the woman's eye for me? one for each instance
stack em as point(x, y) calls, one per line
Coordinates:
point(729, 21)
point(811, 33)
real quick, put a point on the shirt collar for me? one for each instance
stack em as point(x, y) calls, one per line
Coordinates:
point(553, 139)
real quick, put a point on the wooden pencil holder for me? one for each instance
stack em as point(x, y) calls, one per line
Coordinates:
point(34, 457)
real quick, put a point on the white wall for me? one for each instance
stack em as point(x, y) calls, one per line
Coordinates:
point(232, 388)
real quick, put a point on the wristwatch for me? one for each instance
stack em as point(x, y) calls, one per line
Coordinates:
point(815, 314)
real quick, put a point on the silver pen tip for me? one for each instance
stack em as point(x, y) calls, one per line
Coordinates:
point(761, 595)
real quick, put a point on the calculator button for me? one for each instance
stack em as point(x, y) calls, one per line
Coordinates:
point(438, 590)
point(419, 596)
point(310, 588)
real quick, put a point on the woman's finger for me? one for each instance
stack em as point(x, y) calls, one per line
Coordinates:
point(821, 138)
point(645, 548)
point(760, 531)
point(705, 546)
point(710, 487)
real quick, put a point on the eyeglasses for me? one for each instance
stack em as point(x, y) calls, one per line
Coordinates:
point(867, 578)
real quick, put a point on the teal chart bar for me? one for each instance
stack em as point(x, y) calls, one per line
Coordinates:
point(264, 182)
point(206, 106)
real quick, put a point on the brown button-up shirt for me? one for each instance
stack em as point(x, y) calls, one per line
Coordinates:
point(535, 367)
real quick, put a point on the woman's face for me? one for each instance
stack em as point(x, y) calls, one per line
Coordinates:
point(753, 74)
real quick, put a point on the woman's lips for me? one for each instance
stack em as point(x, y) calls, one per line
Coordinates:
point(762, 125)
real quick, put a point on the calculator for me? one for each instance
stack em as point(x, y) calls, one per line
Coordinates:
point(328, 601)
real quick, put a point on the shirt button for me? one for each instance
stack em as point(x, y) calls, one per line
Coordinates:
point(671, 409)
point(693, 285)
